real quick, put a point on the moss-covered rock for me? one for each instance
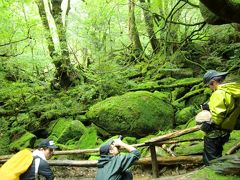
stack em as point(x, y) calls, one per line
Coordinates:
point(25, 141)
point(189, 148)
point(184, 115)
point(207, 173)
point(134, 114)
point(130, 140)
point(89, 139)
point(64, 130)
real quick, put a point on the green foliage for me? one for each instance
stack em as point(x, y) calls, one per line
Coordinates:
point(4, 137)
point(207, 173)
point(109, 78)
point(26, 140)
point(89, 139)
point(64, 130)
point(188, 148)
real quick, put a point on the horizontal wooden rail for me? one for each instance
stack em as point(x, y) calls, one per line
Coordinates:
point(141, 161)
point(78, 151)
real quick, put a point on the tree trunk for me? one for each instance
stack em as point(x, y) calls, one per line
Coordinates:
point(133, 32)
point(44, 19)
point(225, 9)
point(150, 27)
point(64, 75)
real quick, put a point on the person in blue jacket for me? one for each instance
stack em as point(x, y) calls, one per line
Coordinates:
point(114, 166)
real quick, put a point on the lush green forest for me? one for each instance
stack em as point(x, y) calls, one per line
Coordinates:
point(83, 71)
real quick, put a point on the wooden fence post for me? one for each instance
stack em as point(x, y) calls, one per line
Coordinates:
point(154, 161)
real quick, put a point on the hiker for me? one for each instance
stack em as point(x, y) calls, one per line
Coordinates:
point(39, 164)
point(112, 165)
point(223, 117)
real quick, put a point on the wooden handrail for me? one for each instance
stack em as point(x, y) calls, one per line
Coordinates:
point(142, 161)
point(172, 135)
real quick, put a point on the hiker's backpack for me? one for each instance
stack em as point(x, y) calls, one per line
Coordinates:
point(16, 165)
point(234, 117)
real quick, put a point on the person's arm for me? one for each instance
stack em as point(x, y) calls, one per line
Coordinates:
point(118, 142)
point(125, 161)
point(44, 170)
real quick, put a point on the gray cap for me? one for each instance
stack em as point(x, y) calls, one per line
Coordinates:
point(104, 149)
point(210, 74)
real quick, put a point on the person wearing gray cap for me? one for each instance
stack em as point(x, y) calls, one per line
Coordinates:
point(40, 165)
point(114, 166)
point(224, 106)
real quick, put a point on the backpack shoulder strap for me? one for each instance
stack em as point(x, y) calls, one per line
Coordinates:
point(37, 163)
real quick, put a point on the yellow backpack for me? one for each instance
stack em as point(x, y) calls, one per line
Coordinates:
point(16, 165)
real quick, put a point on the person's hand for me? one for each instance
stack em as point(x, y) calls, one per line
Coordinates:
point(117, 142)
point(206, 127)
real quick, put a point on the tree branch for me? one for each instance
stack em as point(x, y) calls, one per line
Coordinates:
point(191, 4)
point(17, 41)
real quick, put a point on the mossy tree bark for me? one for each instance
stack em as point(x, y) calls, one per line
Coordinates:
point(150, 26)
point(44, 19)
point(133, 31)
point(64, 75)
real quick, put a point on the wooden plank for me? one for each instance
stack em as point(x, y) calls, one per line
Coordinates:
point(78, 151)
point(142, 161)
point(172, 135)
point(154, 161)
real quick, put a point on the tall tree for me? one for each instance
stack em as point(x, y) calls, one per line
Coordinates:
point(150, 26)
point(61, 57)
point(133, 31)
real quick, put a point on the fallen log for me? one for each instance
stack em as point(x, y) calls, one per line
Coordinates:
point(233, 149)
point(172, 135)
point(190, 94)
point(168, 86)
point(78, 151)
point(142, 161)
point(178, 141)
point(5, 157)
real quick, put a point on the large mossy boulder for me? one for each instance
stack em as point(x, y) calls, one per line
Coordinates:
point(133, 114)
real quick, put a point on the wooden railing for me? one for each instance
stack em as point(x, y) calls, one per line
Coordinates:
point(152, 143)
